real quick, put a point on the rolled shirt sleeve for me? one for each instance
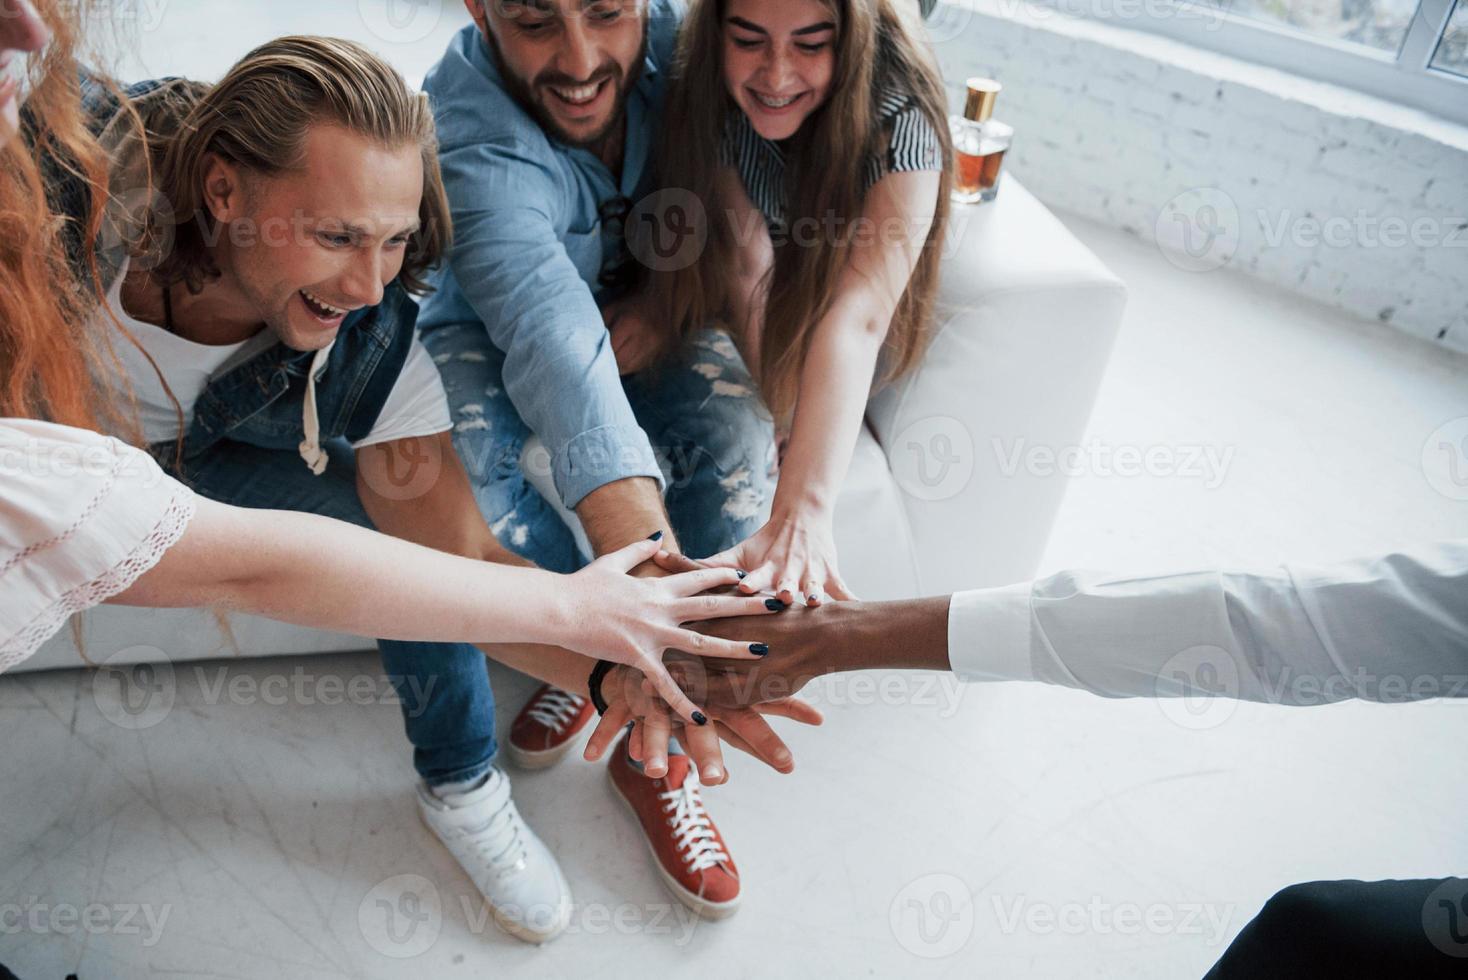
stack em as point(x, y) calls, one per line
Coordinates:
point(1387, 628)
point(512, 268)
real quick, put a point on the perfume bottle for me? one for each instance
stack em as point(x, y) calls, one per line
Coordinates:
point(979, 143)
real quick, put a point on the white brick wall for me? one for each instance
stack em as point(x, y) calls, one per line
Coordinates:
point(1346, 199)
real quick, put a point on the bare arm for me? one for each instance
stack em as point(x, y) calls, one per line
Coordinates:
point(313, 571)
point(755, 255)
point(435, 507)
point(794, 553)
point(806, 643)
point(619, 513)
point(836, 376)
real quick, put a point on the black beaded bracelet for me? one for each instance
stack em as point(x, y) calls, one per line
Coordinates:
point(598, 673)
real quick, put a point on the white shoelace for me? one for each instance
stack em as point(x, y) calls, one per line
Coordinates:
point(555, 708)
point(498, 841)
point(692, 829)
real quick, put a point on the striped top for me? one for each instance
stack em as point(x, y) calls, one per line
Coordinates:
point(908, 141)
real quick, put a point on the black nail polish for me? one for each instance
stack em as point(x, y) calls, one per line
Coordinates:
point(759, 649)
point(699, 718)
point(740, 573)
point(774, 604)
point(655, 536)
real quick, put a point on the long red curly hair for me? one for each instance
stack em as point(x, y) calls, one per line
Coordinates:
point(47, 351)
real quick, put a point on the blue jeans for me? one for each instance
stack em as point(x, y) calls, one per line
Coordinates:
point(713, 437)
point(443, 688)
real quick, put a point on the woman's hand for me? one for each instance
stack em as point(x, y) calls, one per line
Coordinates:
point(607, 614)
point(635, 342)
point(794, 556)
point(631, 697)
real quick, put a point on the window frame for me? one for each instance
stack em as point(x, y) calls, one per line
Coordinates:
point(1404, 77)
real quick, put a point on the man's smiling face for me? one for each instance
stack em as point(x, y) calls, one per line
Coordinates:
point(570, 63)
point(306, 247)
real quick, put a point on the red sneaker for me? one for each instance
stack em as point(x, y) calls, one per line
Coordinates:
point(545, 728)
point(686, 847)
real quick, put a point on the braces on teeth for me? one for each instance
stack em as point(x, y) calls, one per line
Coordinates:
point(775, 103)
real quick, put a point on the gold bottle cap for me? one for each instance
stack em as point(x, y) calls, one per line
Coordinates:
point(981, 95)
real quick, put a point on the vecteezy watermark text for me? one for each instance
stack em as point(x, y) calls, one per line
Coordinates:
point(1209, 464)
point(136, 688)
point(1099, 917)
point(402, 917)
point(97, 918)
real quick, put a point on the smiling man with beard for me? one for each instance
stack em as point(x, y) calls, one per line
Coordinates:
point(547, 113)
point(589, 111)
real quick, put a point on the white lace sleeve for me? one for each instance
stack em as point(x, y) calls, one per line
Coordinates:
point(82, 516)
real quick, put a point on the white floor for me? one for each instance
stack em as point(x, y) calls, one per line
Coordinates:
point(1006, 831)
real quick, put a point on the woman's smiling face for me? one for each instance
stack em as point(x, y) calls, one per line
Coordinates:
point(779, 57)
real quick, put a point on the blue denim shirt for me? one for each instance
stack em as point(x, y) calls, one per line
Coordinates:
point(530, 246)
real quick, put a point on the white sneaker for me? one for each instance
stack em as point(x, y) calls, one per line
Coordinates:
point(514, 870)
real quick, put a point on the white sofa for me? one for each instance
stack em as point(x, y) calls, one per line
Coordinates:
point(933, 502)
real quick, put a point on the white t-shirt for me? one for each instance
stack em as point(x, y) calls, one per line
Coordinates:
point(81, 518)
point(416, 406)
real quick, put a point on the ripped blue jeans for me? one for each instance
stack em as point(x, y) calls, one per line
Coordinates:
point(702, 413)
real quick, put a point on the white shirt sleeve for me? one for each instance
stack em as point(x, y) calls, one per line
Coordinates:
point(1389, 628)
point(417, 404)
point(82, 516)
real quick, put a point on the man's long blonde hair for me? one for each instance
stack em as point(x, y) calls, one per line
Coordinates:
point(876, 46)
point(258, 116)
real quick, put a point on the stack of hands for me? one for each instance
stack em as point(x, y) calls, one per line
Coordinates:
point(709, 687)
